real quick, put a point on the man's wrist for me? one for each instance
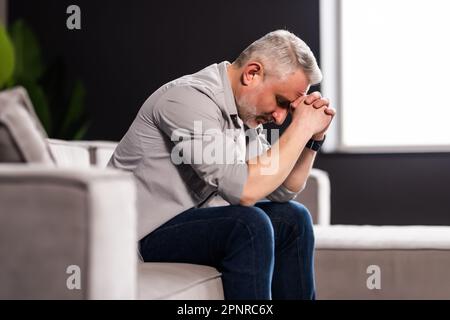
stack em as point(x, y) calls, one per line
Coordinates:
point(303, 127)
point(318, 136)
point(314, 144)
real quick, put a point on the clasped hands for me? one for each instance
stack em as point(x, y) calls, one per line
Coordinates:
point(319, 103)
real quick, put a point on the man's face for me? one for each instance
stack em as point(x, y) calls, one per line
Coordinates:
point(269, 100)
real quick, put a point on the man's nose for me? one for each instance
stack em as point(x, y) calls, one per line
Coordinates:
point(279, 115)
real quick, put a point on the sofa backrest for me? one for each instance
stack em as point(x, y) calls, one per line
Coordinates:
point(22, 137)
point(68, 154)
point(81, 153)
point(24, 140)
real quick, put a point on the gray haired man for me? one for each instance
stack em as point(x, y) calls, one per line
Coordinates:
point(232, 212)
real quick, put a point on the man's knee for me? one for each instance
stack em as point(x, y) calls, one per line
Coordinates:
point(295, 214)
point(254, 220)
point(251, 233)
point(299, 211)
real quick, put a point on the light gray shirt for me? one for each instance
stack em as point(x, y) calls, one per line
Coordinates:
point(166, 129)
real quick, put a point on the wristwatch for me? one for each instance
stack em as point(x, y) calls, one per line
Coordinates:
point(315, 144)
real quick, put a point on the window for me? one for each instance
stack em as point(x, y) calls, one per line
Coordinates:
point(386, 66)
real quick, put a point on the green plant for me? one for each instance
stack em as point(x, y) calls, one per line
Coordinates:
point(59, 103)
point(6, 57)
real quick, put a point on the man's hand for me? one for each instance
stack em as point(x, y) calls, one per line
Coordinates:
point(286, 163)
point(316, 100)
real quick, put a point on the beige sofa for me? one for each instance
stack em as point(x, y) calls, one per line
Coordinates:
point(60, 207)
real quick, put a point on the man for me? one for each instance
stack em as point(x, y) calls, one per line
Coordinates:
point(198, 207)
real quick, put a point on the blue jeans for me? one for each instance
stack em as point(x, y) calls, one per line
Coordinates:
point(263, 252)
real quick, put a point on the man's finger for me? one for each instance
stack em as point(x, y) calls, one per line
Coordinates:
point(299, 100)
point(330, 111)
point(310, 98)
point(321, 103)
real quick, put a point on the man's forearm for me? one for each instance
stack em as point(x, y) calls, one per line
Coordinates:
point(296, 180)
point(268, 171)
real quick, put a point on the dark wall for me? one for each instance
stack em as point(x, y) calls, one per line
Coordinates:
point(127, 49)
point(388, 188)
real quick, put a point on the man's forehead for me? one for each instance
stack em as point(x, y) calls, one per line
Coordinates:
point(294, 86)
point(293, 92)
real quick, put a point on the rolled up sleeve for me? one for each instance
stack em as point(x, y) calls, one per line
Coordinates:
point(190, 118)
point(282, 194)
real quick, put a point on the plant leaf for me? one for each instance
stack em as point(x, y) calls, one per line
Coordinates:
point(40, 103)
point(6, 57)
point(75, 109)
point(79, 135)
point(27, 52)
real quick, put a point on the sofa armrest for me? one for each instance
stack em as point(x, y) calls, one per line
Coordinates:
point(67, 233)
point(316, 197)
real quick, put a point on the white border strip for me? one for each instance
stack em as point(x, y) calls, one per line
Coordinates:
point(330, 65)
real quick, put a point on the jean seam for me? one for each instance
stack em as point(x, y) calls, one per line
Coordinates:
point(252, 237)
point(299, 254)
point(293, 226)
point(299, 251)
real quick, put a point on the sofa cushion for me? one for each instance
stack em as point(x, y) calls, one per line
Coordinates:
point(9, 151)
point(70, 154)
point(22, 138)
point(411, 262)
point(176, 281)
point(102, 151)
point(82, 153)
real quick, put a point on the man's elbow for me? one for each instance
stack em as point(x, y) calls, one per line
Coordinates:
point(302, 187)
point(247, 201)
point(250, 195)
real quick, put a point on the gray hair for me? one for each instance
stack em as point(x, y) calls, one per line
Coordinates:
point(281, 53)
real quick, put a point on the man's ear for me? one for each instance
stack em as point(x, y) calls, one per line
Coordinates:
point(252, 73)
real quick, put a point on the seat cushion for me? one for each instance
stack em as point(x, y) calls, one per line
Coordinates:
point(382, 237)
point(22, 138)
point(411, 262)
point(178, 281)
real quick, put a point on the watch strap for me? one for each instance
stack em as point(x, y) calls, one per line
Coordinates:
point(315, 144)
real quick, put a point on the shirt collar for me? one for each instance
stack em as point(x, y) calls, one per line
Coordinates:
point(230, 102)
